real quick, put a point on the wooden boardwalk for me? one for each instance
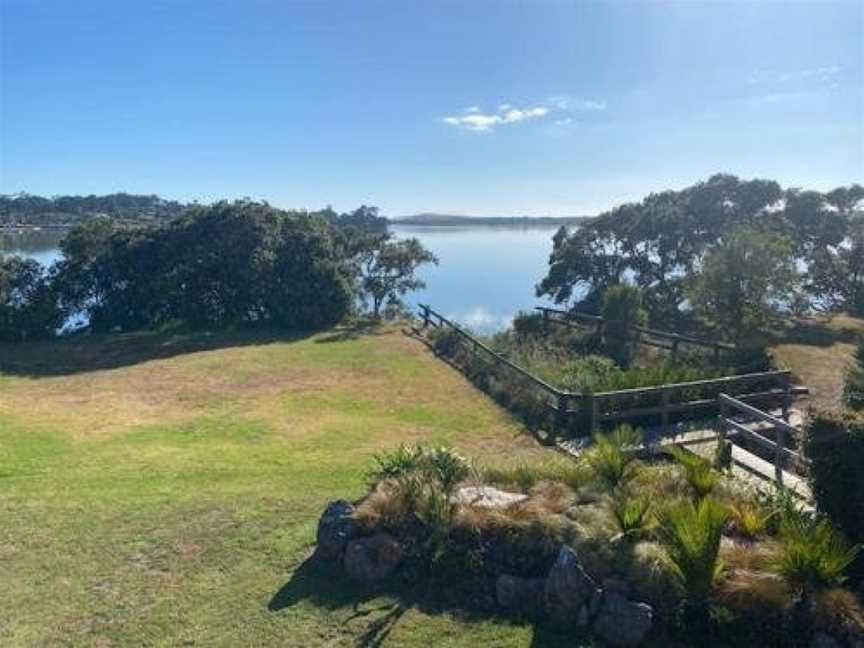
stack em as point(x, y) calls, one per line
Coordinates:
point(701, 437)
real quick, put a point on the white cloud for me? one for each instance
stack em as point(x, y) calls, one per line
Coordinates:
point(823, 74)
point(570, 103)
point(478, 121)
point(472, 109)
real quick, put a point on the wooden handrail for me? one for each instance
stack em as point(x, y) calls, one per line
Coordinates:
point(558, 393)
point(756, 413)
point(710, 382)
point(679, 337)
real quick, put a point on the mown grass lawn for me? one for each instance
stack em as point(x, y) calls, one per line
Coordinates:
point(164, 490)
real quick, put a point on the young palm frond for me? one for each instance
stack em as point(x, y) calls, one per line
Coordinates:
point(631, 515)
point(613, 455)
point(691, 534)
point(698, 472)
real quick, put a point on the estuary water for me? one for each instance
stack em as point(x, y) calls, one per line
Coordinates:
point(485, 275)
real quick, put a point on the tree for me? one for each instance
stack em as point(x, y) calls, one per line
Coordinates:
point(387, 267)
point(28, 303)
point(622, 310)
point(231, 263)
point(657, 243)
point(744, 280)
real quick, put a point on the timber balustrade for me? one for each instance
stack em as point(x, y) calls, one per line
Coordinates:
point(586, 411)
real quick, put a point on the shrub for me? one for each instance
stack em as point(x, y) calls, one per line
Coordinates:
point(698, 472)
point(834, 442)
point(813, 556)
point(527, 324)
point(613, 455)
point(691, 534)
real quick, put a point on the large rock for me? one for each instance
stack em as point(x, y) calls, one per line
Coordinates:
point(372, 559)
point(487, 497)
point(568, 588)
point(520, 595)
point(622, 622)
point(336, 529)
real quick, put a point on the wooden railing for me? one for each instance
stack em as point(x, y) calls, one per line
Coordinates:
point(642, 334)
point(589, 411)
point(782, 455)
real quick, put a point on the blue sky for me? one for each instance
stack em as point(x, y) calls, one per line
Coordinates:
point(464, 107)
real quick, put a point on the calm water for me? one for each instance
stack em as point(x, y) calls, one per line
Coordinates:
point(485, 275)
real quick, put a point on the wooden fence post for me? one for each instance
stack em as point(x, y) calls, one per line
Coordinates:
point(780, 440)
point(561, 414)
point(425, 316)
point(787, 396)
point(545, 320)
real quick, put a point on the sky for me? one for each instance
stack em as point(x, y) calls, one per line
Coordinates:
point(486, 108)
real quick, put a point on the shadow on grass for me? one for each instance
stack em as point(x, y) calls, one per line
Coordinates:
point(382, 608)
point(85, 353)
point(352, 331)
point(815, 332)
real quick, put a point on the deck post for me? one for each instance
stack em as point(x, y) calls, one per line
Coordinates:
point(425, 315)
point(780, 440)
point(561, 415)
point(787, 397)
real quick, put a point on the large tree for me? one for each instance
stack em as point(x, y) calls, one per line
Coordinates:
point(387, 267)
point(743, 281)
point(662, 240)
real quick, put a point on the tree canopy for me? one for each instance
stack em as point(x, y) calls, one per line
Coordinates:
point(660, 243)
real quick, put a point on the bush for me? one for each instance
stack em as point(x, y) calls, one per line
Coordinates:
point(631, 515)
point(691, 534)
point(748, 519)
point(527, 324)
point(834, 442)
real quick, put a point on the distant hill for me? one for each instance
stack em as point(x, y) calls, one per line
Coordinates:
point(28, 210)
point(455, 220)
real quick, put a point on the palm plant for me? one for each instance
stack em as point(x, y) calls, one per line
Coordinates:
point(749, 519)
point(698, 472)
point(631, 515)
point(813, 556)
point(613, 455)
point(691, 534)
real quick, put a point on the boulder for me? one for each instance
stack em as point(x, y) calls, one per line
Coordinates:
point(622, 622)
point(336, 529)
point(372, 559)
point(487, 497)
point(520, 595)
point(568, 588)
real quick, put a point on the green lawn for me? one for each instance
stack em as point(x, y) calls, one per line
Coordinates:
point(164, 490)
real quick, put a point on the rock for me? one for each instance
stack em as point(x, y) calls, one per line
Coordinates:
point(521, 595)
point(372, 559)
point(336, 529)
point(583, 618)
point(488, 497)
point(616, 585)
point(568, 588)
point(622, 622)
point(822, 640)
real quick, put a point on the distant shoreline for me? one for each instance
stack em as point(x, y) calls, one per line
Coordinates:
point(494, 221)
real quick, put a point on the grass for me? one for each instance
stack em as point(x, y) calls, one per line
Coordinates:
point(818, 351)
point(164, 489)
